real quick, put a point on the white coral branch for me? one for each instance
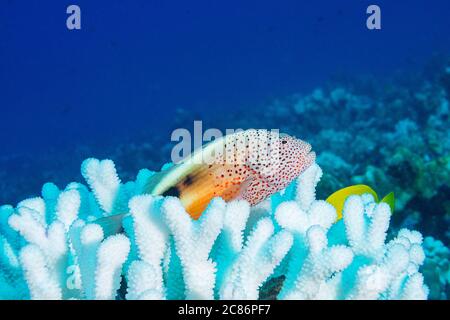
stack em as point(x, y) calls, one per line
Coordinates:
point(193, 242)
point(262, 253)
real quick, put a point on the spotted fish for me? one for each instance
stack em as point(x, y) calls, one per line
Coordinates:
point(250, 165)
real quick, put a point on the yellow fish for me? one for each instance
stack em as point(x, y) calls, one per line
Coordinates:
point(338, 198)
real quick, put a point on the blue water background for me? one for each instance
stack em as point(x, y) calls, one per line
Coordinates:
point(134, 62)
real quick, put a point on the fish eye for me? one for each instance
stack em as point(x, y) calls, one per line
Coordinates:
point(284, 141)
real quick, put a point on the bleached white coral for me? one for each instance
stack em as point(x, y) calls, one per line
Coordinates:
point(193, 243)
point(257, 260)
point(62, 256)
point(114, 242)
point(100, 260)
point(150, 235)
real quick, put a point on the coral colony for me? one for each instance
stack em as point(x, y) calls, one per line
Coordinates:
point(55, 246)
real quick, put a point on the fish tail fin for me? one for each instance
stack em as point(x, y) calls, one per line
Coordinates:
point(111, 225)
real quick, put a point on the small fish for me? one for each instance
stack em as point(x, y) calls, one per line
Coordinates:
point(337, 199)
point(250, 165)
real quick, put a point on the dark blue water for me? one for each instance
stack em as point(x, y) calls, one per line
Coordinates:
point(134, 62)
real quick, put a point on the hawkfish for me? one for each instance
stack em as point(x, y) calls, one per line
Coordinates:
point(250, 165)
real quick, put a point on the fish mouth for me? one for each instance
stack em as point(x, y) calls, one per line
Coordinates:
point(309, 160)
point(311, 156)
point(307, 153)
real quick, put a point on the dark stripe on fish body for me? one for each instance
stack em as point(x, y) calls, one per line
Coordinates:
point(188, 180)
point(172, 191)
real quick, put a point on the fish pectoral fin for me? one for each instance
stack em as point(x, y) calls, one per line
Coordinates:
point(197, 189)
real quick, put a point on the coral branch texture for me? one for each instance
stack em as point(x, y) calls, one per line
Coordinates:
point(108, 240)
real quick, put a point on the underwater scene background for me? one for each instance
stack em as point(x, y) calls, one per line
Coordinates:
point(374, 104)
